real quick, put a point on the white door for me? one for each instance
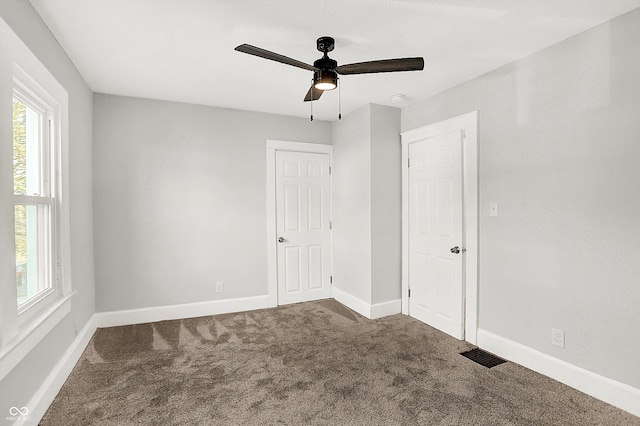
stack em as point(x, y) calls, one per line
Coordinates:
point(303, 226)
point(435, 232)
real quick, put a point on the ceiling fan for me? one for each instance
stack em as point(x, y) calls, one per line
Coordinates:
point(326, 70)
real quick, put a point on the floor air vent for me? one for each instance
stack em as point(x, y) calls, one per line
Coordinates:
point(483, 358)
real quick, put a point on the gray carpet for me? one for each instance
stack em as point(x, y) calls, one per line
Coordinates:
point(315, 363)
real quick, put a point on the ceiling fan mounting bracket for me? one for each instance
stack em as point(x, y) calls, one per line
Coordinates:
point(325, 44)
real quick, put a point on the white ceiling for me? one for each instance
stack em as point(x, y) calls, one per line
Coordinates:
point(183, 50)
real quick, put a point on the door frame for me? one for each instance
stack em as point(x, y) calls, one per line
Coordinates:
point(272, 249)
point(468, 123)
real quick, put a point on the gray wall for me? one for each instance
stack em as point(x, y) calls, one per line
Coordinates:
point(352, 204)
point(180, 200)
point(367, 204)
point(558, 148)
point(386, 204)
point(17, 388)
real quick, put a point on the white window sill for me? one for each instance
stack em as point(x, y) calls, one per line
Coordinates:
point(30, 335)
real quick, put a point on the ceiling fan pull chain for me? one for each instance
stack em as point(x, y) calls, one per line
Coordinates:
point(311, 101)
point(339, 100)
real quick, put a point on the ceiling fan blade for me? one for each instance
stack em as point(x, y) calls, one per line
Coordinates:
point(384, 65)
point(313, 94)
point(256, 51)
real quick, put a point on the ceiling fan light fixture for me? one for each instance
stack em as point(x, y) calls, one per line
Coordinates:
point(325, 80)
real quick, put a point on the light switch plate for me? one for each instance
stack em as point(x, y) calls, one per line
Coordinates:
point(493, 208)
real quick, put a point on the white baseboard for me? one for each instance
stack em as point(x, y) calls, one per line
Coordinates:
point(610, 391)
point(47, 392)
point(187, 310)
point(378, 310)
point(384, 309)
point(352, 302)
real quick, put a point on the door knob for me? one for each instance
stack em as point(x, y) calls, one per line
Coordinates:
point(281, 240)
point(457, 250)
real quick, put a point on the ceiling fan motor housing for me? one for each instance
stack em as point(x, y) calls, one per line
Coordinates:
point(325, 63)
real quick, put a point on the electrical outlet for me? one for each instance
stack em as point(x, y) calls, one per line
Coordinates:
point(557, 337)
point(219, 287)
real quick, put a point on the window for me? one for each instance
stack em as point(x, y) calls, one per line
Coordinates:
point(35, 285)
point(34, 183)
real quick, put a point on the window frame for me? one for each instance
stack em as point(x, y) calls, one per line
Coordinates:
point(21, 329)
point(48, 109)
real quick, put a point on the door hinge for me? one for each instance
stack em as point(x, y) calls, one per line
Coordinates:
point(331, 279)
point(464, 134)
point(330, 225)
point(408, 162)
point(409, 292)
point(329, 169)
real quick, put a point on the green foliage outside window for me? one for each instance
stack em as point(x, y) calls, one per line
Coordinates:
point(20, 187)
